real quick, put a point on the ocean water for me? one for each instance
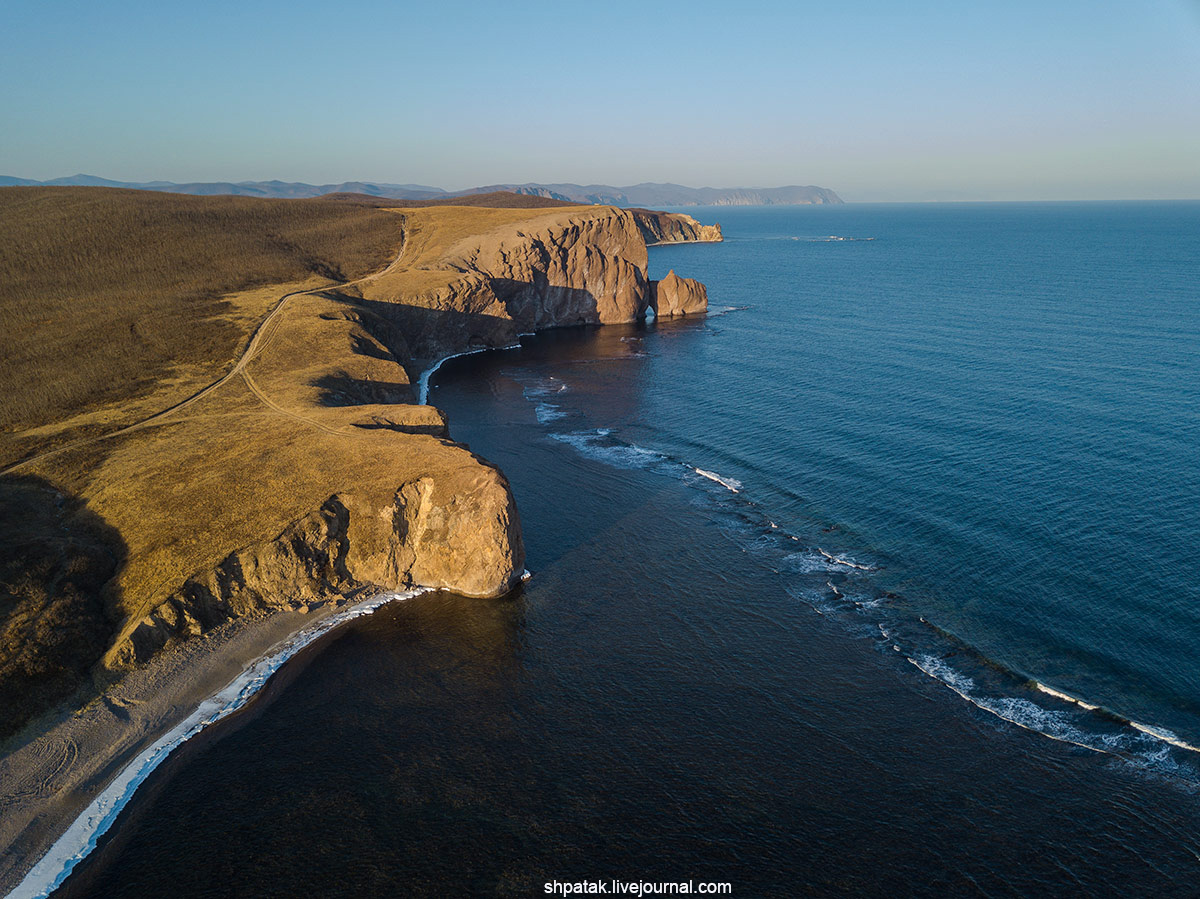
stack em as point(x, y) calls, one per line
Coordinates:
point(879, 580)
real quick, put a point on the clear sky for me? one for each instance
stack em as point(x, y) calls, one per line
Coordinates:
point(877, 99)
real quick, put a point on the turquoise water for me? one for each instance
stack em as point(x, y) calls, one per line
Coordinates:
point(799, 568)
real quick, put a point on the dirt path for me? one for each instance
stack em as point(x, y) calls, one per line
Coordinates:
point(258, 339)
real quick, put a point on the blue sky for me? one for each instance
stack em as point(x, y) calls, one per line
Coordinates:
point(922, 100)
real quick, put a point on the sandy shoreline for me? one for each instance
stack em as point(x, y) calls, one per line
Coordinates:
point(49, 782)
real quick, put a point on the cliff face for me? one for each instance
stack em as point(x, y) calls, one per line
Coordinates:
point(414, 509)
point(454, 291)
point(674, 227)
point(568, 269)
point(308, 471)
point(674, 295)
point(459, 533)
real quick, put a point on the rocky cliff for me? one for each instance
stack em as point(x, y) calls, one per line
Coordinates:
point(303, 473)
point(456, 533)
point(376, 495)
point(674, 227)
point(674, 295)
point(309, 471)
point(454, 292)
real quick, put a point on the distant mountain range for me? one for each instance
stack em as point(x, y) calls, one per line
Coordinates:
point(635, 195)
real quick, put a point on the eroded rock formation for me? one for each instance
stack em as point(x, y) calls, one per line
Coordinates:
point(315, 473)
point(454, 533)
point(674, 295)
point(552, 269)
point(674, 227)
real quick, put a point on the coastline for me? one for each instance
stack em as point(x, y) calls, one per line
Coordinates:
point(423, 380)
point(133, 727)
point(675, 243)
point(66, 784)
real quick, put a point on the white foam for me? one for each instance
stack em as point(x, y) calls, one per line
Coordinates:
point(1151, 730)
point(1167, 736)
point(714, 312)
point(1021, 712)
point(81, 837)
point(620, 455)
point(728, 483)
point(544, 387)
point(939, 670)
point(1057, 725)
point(1058, 694)
point(423, 381)
point(547, 412)
point(805, 562)
point(847, 562)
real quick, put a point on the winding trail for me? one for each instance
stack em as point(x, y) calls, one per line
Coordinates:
point(259, 338)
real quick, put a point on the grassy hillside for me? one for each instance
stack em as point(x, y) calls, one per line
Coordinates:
point(105, 294)
point(115, 305)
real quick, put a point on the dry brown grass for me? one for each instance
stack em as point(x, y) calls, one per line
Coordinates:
point(103, 293)
point(104, 531)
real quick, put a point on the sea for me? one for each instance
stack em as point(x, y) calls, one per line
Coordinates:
point(879, 580)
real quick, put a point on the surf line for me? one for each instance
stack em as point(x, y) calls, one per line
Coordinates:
point(728, 483)
point(423, 380)
point(846, 562)
point(85, 831)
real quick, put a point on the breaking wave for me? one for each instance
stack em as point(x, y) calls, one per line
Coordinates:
point(548, 412)
point(845, 586)
point(1079, 723)
point(730, 484)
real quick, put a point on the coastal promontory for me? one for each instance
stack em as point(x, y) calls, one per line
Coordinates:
point(215, 435)
point(284, 462)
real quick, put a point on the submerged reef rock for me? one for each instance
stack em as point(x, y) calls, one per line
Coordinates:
point(674, 295)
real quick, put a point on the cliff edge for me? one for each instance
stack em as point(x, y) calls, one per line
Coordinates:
point(308, 471)
point(458, 287)
point(674, 227)
point(159, 535)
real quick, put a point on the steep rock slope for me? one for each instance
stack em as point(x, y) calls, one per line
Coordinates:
point(674, 295)
point(674, 227)
point(313, 473)
point(393, 503)
point(460, 287)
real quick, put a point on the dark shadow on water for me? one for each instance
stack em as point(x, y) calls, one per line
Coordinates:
point(397, 666)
